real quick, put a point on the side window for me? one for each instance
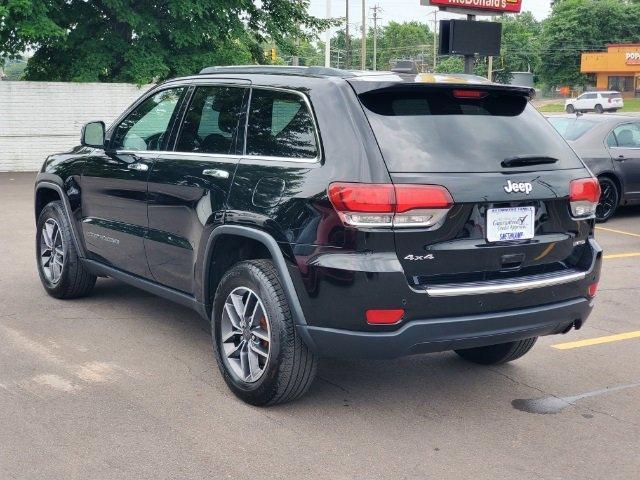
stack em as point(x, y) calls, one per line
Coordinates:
point(628, 135)
point(145, 127)
point(214, 120)
point(611, 140)
point(280, 125)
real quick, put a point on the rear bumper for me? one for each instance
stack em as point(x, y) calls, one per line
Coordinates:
point(436, 335)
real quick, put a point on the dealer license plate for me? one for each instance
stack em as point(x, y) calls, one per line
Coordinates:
point(507, 224)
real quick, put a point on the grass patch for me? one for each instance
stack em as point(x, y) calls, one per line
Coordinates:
point(630, 105)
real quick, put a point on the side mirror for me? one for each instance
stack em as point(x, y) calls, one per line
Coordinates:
point(93, 134)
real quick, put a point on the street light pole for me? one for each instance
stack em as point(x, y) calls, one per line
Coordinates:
point(363, 45)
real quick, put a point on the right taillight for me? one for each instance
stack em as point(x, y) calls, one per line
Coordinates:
point(584, 195)
point(388, 205)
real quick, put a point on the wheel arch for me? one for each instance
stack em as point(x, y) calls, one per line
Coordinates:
point(47, 191)
point(227, 244)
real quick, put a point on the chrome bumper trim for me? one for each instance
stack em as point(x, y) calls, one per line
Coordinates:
point(507, 285)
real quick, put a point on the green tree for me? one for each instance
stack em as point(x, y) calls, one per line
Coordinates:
point(576, 26)
point(402, 40)
point(143, 41)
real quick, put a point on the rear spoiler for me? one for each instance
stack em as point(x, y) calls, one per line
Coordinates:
point(363, 86)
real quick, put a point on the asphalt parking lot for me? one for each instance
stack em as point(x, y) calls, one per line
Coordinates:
point(123, 385)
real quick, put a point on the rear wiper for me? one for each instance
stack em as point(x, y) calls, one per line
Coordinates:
point(525, 160)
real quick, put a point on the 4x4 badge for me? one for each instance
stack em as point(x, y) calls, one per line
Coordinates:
point(512, 187)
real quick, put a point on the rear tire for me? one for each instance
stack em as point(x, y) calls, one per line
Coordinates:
point(609, 200)
point(289, 368)
point(570, 109)
point(599, 110)
point(497, 354)
point(61, 272)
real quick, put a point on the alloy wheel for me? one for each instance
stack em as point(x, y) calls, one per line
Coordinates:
point(245, 335)
point(608, 200)
point(52, 251)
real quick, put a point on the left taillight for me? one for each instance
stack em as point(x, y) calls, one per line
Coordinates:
point(584, 195)
point(388, 205)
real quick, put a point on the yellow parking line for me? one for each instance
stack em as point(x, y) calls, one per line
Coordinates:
point(618, 231)
point(596, 341)
point(621, 255)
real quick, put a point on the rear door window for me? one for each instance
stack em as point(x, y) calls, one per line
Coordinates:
point(214, 120)
point(627, 135)
point(428, 130)
point(280, 125)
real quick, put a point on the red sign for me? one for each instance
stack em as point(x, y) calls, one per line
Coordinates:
point(510, 6)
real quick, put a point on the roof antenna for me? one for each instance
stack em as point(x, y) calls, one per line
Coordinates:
point(579, 114)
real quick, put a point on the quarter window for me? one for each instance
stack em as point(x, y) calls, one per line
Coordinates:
point(280, 125)
point(146, 126)
point(214, 120)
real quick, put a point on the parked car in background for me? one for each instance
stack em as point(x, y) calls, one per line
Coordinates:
point(610, 146)
point(598, 102)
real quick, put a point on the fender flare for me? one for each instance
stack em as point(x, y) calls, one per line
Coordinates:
point(52, 185)
point(276, 255)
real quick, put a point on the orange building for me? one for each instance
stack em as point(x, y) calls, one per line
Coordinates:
point(616, 69)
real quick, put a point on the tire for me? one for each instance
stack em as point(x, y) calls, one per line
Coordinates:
point(289, 368)
point(599, 110)
point(609, 199)
point(62, 275)
point(570, 109)
point(497, 354)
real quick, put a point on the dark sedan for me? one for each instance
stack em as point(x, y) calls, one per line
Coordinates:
point(610, 146)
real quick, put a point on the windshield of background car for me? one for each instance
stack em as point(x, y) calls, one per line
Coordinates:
point(572, 128)
point(431, 130)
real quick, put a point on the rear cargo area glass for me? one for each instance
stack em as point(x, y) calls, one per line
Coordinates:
point(430, 130)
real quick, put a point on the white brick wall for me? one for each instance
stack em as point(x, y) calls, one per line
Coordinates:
point(41, 118)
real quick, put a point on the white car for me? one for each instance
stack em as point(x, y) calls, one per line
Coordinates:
point(598, 102)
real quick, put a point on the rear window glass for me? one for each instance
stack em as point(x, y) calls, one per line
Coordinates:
point(612, 95)
point(431, 131)
point(571, 128)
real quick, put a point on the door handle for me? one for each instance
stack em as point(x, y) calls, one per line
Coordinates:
point(215, 173)
point(621, 158)
point(139, 167)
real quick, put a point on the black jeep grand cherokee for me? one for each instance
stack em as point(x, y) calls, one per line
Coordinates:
point(313, 212)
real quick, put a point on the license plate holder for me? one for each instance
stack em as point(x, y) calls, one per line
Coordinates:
point(510, 224)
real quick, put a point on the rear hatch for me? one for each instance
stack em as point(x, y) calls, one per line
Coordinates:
point(508, 173)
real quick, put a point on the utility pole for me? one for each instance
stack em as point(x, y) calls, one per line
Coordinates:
point(375, 9)
point(327, 43)
point(347, 43)
point(363, 44)
point(435, 40)
point(469, 60)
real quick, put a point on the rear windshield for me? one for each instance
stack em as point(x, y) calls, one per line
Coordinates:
point(612, 95)
point(431, 131)
point(571, 128)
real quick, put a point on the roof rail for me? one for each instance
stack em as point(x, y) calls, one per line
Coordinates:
point(279, 70)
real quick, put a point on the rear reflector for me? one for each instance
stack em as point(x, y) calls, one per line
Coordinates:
point(593, 289)
point(470, 94)
point(387, 205)
point(584, 195)
point(384, 317)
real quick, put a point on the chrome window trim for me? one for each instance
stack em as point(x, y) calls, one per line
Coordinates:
point(503, 286)
point(316, 159)
point(612, 131)
point(167, 153)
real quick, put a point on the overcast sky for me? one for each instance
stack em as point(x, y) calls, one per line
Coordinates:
point(402, 10)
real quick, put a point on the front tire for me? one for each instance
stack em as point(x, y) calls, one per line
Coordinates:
point(259, 353)
point(609, 200)
point(61, 272)
point(497, 354)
